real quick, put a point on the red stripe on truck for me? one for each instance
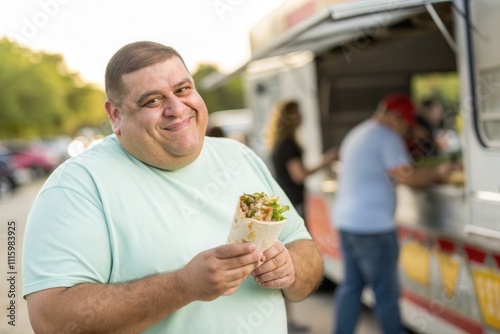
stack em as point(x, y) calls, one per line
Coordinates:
point(438, 309)
point(475, 254)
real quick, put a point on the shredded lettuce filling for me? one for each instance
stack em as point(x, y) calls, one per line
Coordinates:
point(261, 207)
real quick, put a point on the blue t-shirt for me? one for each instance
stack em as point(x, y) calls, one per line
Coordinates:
point(106, 217)
point(366, 201)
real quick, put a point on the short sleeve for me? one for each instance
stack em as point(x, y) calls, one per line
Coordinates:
point(66, 242)
point(394, 152)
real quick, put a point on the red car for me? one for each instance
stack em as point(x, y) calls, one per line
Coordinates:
point(33, 158)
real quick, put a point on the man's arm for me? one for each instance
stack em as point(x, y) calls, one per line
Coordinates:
point(297, 269)
point(422, 176)
point(134, 306)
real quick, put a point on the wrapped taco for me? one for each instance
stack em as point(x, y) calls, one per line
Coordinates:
point(258, 219)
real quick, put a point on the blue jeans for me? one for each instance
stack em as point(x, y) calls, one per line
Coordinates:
point(369, 259)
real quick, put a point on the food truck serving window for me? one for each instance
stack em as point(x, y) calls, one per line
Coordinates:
point(485, 25)
point(488, 103)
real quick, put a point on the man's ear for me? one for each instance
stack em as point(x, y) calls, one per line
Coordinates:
point(114, 116)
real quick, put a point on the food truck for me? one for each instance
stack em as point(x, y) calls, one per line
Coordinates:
point(338, 59)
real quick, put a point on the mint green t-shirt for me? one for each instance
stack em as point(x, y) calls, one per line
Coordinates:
point(106, 217)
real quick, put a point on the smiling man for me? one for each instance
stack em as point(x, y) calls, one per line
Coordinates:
point(159, 117)
point(129, 236)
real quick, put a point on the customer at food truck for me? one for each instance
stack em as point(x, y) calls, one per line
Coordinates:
point(442, 127)
point(290, 171)
point(287, 154)
point(422, 143)
point(431, 111)
point(432, 135)
point(373, 160)
point(429, 119)
point(130, 236)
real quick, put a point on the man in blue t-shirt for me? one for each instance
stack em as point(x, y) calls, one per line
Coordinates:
point(374, 158)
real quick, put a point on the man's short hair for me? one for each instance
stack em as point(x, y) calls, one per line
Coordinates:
point(130, 58)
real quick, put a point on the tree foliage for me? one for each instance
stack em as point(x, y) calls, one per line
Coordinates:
point(40, 97)
point(228, 96)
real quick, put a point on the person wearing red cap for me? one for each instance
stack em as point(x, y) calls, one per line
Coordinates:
point(374, 159)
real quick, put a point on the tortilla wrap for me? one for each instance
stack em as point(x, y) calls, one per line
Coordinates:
point(262, 233)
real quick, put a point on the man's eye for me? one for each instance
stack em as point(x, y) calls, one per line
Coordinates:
point(183, 90)
point(154, 102)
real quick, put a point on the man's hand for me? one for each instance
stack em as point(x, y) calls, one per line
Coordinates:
point(219, 271)
point(296, 269)
point(330, 156)
point(277, 270)
point(445, 169)
point(134, 306)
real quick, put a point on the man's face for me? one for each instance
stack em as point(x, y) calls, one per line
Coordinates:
point(162, 119)
point(400, 124)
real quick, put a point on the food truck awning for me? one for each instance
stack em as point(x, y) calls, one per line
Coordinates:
point(335, 25)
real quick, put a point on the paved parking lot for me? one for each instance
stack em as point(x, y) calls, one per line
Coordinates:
point(317, 312)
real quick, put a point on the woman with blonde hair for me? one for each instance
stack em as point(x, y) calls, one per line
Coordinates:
point(287, 153)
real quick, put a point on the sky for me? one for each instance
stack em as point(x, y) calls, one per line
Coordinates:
point(88, 32)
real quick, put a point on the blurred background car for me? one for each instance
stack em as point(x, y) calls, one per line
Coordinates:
point(31, 160)
point(56, 148)
point(234, 123)
point(7, 173)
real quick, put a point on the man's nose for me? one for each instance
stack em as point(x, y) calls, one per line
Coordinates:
point(173, 107)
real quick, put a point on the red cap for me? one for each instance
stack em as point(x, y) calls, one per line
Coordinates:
point(401, 104)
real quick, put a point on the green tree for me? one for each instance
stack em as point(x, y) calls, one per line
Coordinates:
point(39, 96)
point(228, 96)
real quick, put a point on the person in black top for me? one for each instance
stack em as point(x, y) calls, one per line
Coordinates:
point(286, 151)
point(290, 171)
point(289, 168)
